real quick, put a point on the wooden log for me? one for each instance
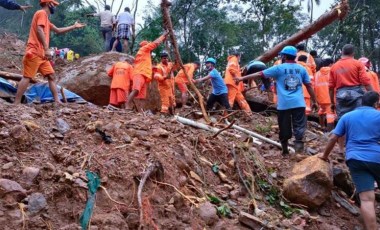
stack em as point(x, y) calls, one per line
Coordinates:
point(10, 76)
point(338, 12)
point(165, 4)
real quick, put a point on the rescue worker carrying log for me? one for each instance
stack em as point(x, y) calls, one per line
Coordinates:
point(235, 90)
point(163, 73)
point(289, 77)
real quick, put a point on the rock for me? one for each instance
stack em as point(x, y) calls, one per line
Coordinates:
point(89, 77)
point(59, 136)
point(310, 183)
point(109, 221)
point(343, 202)
point(160, 132)
point(343, 181)
point(7, 186)
point(234, 194)
point(208, 213)
point(36, 203)
point(4, 134)
point(30, 125)
point(250, 221)
point(19, 133)
point(62, 126)
point(328, 226)
point(111, 127)
point(29, 174)
point(11, 191)
point(71, 169)
point(127, 139)
point(71, 227)
point(7, 165)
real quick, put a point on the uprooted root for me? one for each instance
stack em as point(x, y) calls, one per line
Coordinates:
point(155, 170)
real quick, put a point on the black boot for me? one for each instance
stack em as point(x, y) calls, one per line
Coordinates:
point(298, 146)
point(284, 145)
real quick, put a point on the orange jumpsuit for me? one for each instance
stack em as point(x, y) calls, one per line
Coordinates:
point(235, 90)
point(306, 94)
point(321, 89)
point(142, 72)
point(121, 74)
point(374, 80)
point(181, 79)
point(310, 61)
point(165, 85)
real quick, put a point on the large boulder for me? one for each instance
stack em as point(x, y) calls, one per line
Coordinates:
point(88, 78)
point(311, 182)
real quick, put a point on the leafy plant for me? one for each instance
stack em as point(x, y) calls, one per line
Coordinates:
point(224, 210)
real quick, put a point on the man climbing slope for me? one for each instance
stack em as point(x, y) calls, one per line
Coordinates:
point(289, 77)
point(142, 72)
point(37, 54)
point(235, 89)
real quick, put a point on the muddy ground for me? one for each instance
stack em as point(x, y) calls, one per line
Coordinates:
point(46, 150)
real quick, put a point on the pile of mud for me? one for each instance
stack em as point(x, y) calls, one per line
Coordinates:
point(46, 151)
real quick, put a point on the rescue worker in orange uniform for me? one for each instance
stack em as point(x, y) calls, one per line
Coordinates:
point(309, 59)
point(142, 72)
point(182, 82)
point(121, 74)
point(38, 55)
point(302, 61)
point(163, 73)
point(235, 89)
point(372, 75)
point(321, 89)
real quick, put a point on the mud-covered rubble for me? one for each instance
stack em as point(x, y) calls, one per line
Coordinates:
point(46, 150)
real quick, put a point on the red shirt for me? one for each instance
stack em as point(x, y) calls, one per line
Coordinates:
point(348, 72)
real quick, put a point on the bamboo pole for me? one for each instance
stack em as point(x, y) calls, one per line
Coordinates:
point(165, 4)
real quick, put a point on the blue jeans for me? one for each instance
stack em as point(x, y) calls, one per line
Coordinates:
point(107, 36)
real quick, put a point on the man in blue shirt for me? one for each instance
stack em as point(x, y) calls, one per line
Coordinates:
point(219, 89)
point(361, 128)
point(291, 105)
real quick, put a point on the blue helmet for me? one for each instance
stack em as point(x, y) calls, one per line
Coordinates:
point(211, 60)
point(289, 50)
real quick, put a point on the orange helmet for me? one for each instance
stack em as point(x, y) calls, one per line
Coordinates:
point(143, 43)
point(48, 1)
point(365, 61)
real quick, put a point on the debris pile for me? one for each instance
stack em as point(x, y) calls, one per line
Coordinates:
point(198, 180)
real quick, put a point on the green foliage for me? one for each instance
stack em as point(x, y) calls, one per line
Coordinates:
point(224, 210)
point(213, 199)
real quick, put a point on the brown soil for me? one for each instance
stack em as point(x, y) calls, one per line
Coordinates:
point(29, 138)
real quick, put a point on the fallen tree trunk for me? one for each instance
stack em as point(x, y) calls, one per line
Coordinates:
point(338, 12)
point(10, 76)
point(169, 26)
point(258, 136)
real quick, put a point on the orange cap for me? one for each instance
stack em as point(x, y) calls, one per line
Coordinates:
point(48, 1)
point(143, 43)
